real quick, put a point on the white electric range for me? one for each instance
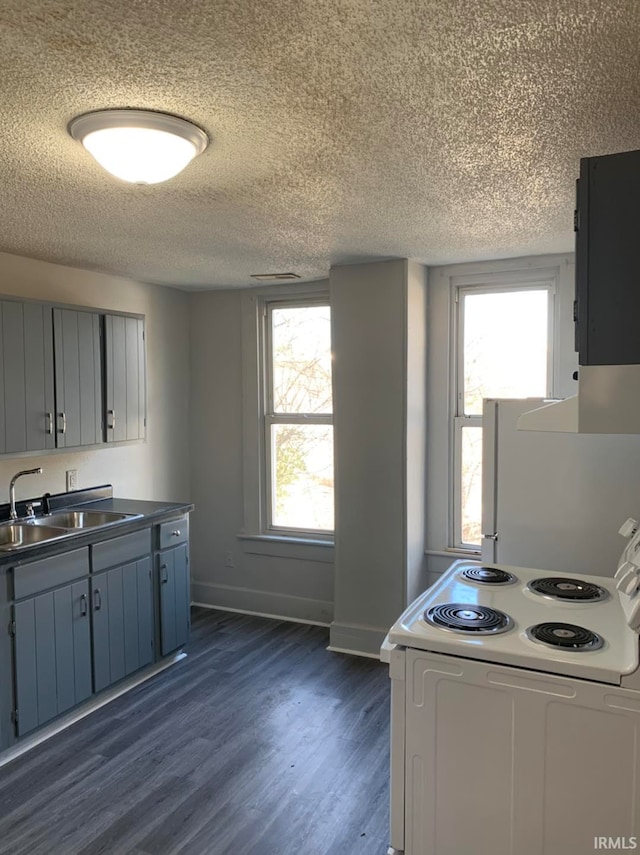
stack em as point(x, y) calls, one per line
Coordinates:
point(516, 712)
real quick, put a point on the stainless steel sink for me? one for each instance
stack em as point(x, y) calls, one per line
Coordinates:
point(81, 519)
point(16, 535)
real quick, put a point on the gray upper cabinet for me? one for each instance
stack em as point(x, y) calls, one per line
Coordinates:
point(125, 392)
point(69, 377)
point(78, 378)
point(26, 377)
point(607, 293)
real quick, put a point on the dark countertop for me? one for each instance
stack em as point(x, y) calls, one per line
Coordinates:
point(150, 510)
point(98, 499)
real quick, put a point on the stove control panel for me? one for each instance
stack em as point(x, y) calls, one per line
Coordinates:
point(628, 573)
point(628, 528)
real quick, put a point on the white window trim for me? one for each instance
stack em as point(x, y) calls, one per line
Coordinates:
point(458, 423)
point(537, 279)
point(270, 418)
point(254, 387)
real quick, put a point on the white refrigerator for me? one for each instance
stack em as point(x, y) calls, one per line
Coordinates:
point(554, 501)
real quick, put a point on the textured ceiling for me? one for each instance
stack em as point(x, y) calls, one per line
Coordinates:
point(342, 130)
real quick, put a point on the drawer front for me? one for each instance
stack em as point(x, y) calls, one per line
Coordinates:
point(174, 532)
point(120, 550)
point(49, 573)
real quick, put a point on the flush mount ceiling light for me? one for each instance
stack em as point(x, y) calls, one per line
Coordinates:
point(139, 146)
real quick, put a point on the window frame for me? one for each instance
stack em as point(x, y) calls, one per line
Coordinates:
point(458, 418)
point(269, 418)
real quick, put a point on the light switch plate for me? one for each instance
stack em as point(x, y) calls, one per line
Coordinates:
point(72, 479)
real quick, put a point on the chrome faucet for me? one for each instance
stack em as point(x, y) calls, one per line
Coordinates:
point(12, 489)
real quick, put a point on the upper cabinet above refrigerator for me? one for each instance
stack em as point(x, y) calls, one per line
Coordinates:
point(607, 304)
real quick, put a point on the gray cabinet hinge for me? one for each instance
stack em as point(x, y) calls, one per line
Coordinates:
point(14, 716)
point(12, 628)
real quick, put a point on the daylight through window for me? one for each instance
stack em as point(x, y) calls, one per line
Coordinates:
point(299, 418)
point(504, 351)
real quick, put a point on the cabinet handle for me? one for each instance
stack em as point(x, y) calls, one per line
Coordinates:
point(83, 605)
point(111, 420)
point(97, 599)
point(49, 426)
point(175, 533)
point(63, 427)
point(164, 576)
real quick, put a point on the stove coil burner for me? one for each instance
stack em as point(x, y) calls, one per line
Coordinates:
point(566, 636)
point(558, 588)
point(488, 576)
point(468, 617)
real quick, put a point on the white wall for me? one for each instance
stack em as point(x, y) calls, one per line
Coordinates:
point(442, 281)
point(158, 468)
point(416, 428)
point(378, 330)
point(266, 577)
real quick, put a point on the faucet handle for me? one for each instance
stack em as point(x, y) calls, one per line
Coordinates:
point(30, 510)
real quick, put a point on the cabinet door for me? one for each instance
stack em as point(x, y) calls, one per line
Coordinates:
point(26, 377)
point(122, 622)
point(78, 378)
point(607, 294)
point(173, 577)
point(52, 654)
point(125, 392)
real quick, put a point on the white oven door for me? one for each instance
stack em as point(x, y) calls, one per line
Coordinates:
point(505, 761)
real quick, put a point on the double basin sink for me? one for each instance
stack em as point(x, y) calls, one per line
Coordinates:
point(17, 534)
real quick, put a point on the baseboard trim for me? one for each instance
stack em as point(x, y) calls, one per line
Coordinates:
point(260, 614)
point(356, 639)
point(86, 709)
point(353, 652)
point(262, 603)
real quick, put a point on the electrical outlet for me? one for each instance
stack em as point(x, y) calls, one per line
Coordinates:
point(228, 559)
point(72, 479)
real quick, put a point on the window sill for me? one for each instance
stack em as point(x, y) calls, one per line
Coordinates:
point(453, 552)
point(281, 546)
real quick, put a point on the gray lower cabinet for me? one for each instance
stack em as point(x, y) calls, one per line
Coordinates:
point(173, 580)
point(84, 619)
point(52, 654)
point(122, 615)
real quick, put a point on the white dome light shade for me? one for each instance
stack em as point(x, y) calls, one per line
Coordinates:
point(139, 146)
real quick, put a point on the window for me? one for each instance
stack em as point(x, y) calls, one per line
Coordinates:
point(504, 350)
point(297, 416)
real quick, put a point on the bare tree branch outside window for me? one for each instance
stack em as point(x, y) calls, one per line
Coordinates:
point(302, 449)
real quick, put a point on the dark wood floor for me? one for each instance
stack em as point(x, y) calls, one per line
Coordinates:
point(259, 743)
